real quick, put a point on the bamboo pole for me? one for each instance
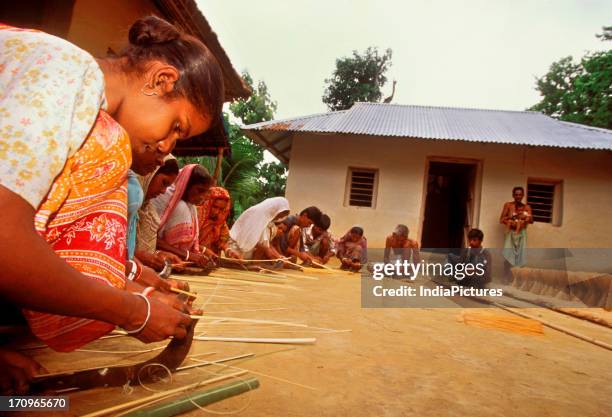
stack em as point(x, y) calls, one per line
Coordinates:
point(270, 340)
point(190, 402)
point(162, 394)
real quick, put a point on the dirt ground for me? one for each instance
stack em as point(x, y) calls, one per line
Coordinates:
point(393, 362)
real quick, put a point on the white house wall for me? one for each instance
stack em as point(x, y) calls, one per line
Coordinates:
point(318, 174)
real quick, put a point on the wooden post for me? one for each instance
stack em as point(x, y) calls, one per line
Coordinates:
point(218, 167)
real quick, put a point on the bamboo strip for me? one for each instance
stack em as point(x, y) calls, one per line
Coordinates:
point(248, 311)
point(322, 266)
point(257, 283)
point(285, 341)
point(271, 272)
point(162, 394)
point(191, 294)
point(219, 361)
point(271, 323)
point(252, 260)
point(121, 352)
point(283, 323)
point(224, 274)
point(277, 281)
point(558, 328)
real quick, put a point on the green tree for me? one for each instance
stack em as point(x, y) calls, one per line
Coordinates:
point(578, 92)
point(258, 107)
point(606, 34)
point(244, 174)
point(357, 78)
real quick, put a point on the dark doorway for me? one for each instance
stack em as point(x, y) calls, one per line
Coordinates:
point(448, 205)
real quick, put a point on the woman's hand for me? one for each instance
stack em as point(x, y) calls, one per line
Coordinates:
point(212, 255)
point(165, 321)
point(199, 258)
point(149, 278)
point(167, 256)
point(181, 285)
point(16, 372)
point(230, 253)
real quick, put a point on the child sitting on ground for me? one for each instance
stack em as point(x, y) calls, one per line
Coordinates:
point(319, 242)
point(475, 254)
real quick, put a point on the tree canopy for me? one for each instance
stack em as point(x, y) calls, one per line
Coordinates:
point(579, 92)
point(244, 174)
point(357, 78)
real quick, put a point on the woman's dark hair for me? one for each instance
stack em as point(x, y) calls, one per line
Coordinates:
point(312, 212)
point(199, 175)
point(201, 78)
point(324, 222)
point(357, 230)
point(170, 167)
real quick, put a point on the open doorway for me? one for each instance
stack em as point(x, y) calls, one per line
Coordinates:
point(449, 204)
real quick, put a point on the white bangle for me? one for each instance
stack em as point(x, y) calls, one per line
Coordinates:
point(133, 271)
point(144, 324)
point(187, 256)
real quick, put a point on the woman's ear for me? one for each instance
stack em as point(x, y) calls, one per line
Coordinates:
point(161, 78)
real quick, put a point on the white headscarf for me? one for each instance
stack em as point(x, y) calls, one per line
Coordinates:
point(252, 223)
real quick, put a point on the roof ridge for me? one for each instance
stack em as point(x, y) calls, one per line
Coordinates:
point(587, 127)
point(449, 107)
point(275, 121)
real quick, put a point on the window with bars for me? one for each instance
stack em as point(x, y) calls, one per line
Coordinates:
point(362, 187)
point(544, 197)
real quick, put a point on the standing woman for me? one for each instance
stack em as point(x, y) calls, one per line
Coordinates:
point(71, 127)
point(178, 225)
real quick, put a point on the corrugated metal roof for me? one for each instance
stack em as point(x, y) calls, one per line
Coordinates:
point(474, 125)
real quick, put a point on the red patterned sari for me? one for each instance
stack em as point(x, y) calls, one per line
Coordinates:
point(83, 218)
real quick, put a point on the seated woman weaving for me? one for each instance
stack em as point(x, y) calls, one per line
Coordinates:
point(212, 215)
point(178, 225)
point(153, 185)
point(252, 233)
point(63, 171)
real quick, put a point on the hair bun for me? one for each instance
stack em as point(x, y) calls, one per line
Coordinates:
point(152, 30)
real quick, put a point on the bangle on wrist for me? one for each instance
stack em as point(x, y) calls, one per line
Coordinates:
point(187, 256)
point(135, 271)
point(146, 321)
point(147, 291)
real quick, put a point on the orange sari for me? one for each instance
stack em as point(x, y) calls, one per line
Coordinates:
point(84, 219)
point(214, 233)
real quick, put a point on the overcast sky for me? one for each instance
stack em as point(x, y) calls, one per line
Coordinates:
point(482, 54)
